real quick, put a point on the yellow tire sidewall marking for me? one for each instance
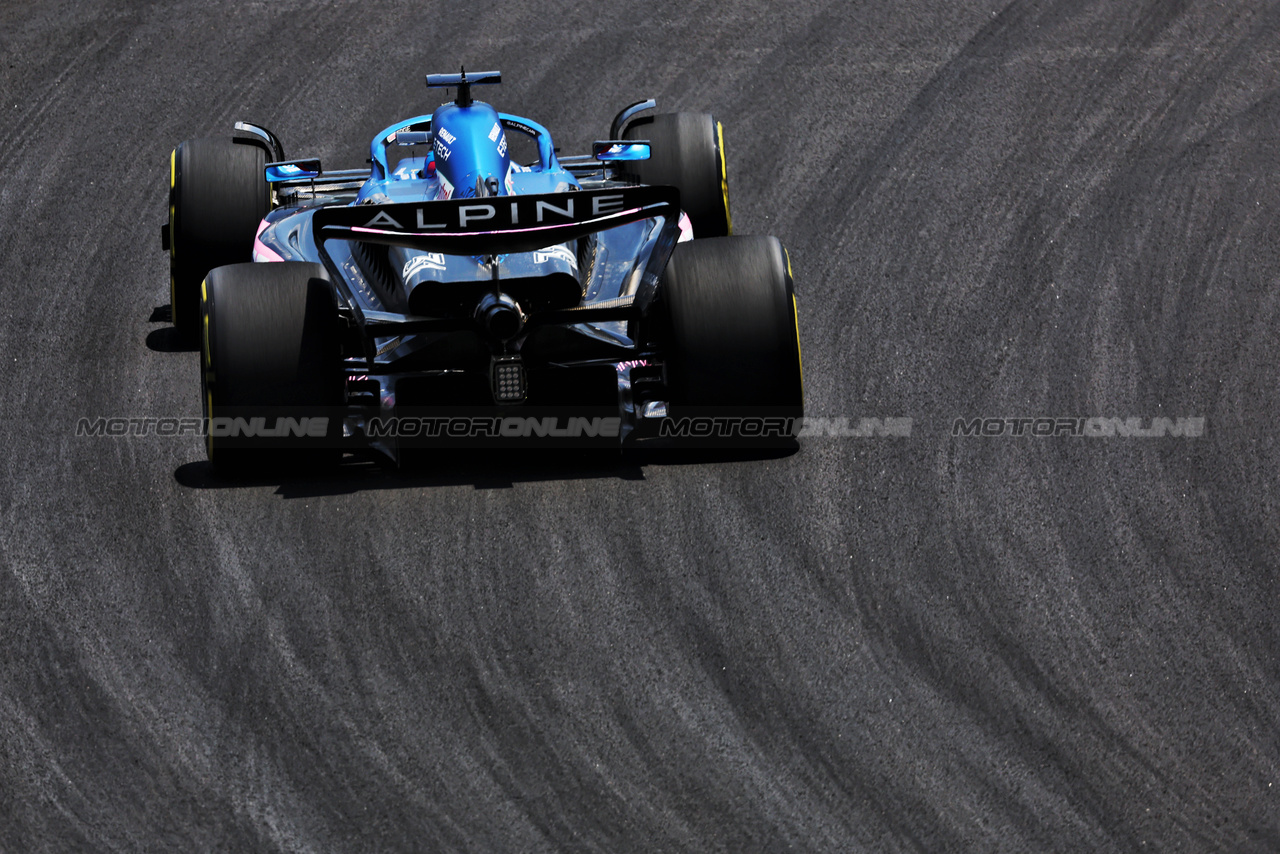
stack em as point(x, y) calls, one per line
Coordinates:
point(724, 177)
point(173, 246)
point(795, 316)
point(208, 368)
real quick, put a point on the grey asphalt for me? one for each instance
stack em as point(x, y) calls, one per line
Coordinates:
point(931, 642)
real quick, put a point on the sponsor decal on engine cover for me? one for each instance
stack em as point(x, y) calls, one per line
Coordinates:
point(418, 263)
point(556, 253)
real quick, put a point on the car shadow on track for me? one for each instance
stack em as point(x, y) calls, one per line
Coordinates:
point(167, 340)
point(479, 469)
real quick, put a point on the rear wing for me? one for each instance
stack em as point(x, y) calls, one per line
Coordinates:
point(496, 225)
point(499, 225)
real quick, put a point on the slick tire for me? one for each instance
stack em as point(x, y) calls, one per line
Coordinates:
point(687, 152)
point(217, 197)
point(271, 350)
point(733, 338)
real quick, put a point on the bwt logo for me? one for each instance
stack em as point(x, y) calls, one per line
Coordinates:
point(1090, 427)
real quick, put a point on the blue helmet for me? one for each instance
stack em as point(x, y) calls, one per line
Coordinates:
point(470, 147)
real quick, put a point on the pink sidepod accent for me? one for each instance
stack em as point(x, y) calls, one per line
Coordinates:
point(262, 252)
point(686, 228)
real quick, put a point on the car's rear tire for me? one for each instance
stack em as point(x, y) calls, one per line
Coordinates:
point(733, 338)
point(217, 196)
point(687, 152)
point(271, 350)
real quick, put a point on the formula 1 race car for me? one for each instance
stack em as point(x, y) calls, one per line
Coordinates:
point(450, 295)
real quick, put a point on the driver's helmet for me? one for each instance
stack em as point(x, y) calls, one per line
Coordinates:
point(470, 148)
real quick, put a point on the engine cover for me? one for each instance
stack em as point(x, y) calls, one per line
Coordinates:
point(470, 148)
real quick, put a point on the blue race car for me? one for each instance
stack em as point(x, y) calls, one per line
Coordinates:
point(452, 295)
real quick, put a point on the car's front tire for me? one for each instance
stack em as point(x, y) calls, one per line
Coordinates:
point(687, 152)
point(217, 197)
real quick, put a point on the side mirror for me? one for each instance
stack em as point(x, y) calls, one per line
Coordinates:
point(291, 170)
point(620, 149)
point(414, 137)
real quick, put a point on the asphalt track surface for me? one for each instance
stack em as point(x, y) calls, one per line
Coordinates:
point(921, 643)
